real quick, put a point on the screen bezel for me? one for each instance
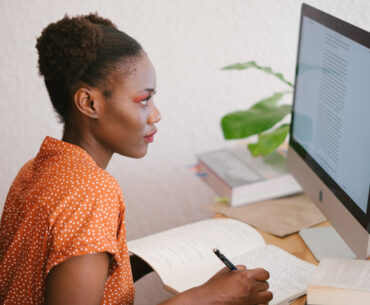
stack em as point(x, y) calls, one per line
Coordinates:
point(356, 34)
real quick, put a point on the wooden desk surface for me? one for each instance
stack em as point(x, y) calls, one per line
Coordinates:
point(293, 244)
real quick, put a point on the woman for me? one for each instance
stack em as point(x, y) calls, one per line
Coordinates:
point(62, 231)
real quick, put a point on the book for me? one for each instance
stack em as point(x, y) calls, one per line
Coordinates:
point(234, 174)
point(183, 256)
point(340, 282)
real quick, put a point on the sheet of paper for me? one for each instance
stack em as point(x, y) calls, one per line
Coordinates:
point(189, 247)
point(343, 273)
point(280, 217)
point(288, 274)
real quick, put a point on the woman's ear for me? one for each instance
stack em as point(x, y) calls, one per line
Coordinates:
point(87, 101)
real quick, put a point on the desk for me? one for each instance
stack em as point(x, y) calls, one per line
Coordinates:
point(292, 244)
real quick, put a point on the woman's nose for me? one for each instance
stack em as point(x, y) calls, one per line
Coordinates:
point(154, 116)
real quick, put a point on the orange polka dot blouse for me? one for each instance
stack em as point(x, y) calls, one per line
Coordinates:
point(61, 204)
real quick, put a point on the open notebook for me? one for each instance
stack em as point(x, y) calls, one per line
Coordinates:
point(183, 256)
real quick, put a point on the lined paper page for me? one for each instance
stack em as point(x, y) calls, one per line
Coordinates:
point(188, 248)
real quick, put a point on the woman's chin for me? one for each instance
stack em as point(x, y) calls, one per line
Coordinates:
point(137, 154)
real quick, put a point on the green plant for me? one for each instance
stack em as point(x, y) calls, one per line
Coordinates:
point(262, 116)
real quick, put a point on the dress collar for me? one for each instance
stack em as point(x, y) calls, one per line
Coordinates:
point(51, 147)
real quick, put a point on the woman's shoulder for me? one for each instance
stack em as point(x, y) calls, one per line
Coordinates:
point(87, 176)
point(81, 187)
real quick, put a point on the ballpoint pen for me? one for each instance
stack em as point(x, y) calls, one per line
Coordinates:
point(224, 259)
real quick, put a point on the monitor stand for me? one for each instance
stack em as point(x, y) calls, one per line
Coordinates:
point(325, 241)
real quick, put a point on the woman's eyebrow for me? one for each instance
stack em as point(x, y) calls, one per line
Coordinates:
point(151, 90)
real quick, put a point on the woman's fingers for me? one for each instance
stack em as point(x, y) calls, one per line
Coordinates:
point(260, 274)
point(264, 297)
point(262, 286)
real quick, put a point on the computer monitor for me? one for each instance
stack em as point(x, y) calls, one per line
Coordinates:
point(329, 145)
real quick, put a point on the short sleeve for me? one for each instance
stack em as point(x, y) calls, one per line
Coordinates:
point(84, 222)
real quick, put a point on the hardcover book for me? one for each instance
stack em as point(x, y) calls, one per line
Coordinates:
point(233, 173)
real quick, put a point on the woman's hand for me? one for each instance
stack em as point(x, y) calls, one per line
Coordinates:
point(239, 287)
point(242, 286)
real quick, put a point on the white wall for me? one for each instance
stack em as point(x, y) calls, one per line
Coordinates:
point(188, 41)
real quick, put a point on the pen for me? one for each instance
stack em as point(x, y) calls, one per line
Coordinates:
point(224, 259)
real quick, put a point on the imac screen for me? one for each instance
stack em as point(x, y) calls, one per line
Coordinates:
point(331, 113)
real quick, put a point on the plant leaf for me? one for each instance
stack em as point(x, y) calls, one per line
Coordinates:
point(260, 117)
point(253, 64)
point(240, 66)
point(268, 142)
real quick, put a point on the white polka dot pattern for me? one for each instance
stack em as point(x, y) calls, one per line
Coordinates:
point(60, 205)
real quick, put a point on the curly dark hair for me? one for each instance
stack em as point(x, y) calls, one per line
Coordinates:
point(83, 48)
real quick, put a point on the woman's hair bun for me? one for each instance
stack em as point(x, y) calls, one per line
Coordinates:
point(96, 19)
point(66, 48)
point(85, 48)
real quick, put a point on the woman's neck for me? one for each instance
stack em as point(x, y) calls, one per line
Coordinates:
point(89, 143)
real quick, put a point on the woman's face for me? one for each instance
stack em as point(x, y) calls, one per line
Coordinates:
point(127, 123)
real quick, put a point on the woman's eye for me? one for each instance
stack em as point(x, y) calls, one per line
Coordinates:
point(146, 101)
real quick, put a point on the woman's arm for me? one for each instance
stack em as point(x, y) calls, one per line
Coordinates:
point(79, 280)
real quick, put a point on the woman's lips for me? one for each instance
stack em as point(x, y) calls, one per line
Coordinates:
point(150, 137)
